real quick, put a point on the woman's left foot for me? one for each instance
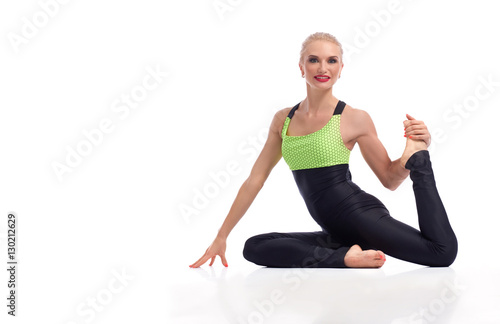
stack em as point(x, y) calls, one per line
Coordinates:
point(357, 258)
point(412, 146)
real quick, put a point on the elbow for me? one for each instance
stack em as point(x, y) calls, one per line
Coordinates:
point(391, 181)
point(391, 185)
point(255, 182)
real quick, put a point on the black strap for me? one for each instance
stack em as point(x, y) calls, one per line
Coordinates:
point(338, 110)
point(290, 114)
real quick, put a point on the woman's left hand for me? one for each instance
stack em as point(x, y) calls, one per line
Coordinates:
point(416, 129)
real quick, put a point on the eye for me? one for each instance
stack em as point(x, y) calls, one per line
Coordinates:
point(314, 60)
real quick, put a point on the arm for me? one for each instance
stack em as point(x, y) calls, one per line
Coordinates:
point(390, 173)
point(267, 159)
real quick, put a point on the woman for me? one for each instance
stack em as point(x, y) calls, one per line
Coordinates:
point(315, 138)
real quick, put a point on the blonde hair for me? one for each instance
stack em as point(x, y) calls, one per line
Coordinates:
point(319, 36)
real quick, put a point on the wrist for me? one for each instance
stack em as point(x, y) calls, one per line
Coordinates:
point(402, 172)
point(221, 236)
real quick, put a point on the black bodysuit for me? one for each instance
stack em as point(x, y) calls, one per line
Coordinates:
point(347, 215)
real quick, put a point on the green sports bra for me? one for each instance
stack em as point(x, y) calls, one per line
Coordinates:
point(322, 148)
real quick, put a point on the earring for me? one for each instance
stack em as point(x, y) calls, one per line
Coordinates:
point(303, 75)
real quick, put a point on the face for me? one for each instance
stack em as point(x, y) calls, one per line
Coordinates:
point(321, 64)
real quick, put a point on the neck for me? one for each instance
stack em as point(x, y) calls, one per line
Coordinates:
point(318, 101)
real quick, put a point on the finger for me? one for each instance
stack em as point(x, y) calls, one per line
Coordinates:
point(417, 130)
point(197, 264)
point(194, 264)
point(200, 262)
point(419, 137)
point(414, 135)
point(212, 261)
point(417, 133)
point(409, 117)
point(223, 259)
point(417, 124)
point(408, 123)
point(414, 124)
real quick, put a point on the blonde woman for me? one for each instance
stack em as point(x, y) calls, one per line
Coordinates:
point(315, 138)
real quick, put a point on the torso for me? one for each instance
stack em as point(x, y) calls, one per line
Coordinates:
point(323, 147)
point(317, 152)
point(303, 125)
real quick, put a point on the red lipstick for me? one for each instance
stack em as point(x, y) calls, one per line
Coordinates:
point(322, 78)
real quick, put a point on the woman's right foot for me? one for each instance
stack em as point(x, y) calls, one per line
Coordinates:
point(357, 258)
point(412, 146)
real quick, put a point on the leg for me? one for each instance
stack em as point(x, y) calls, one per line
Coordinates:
point(434, 245)
point(295, 250)
point(432, 218)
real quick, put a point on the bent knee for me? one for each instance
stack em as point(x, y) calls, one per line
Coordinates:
point(447, 255)
point(250, 247)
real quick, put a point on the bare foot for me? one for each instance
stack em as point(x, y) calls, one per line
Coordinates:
point(357, 258)
point(412, 146)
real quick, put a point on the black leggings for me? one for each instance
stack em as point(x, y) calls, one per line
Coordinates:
point(350, 216)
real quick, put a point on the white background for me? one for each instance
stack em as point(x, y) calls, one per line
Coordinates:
point(122, 208)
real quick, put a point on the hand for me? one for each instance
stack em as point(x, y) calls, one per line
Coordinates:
point(416, 129)
point(218, 247)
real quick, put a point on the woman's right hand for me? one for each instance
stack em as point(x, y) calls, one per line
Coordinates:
point(218, 247)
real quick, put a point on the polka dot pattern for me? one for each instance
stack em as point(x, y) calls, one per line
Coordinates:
point(324, 147)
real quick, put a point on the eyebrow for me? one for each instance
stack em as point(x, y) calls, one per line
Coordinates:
point(317, 56)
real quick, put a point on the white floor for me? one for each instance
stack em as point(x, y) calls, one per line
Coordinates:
point(397, 293)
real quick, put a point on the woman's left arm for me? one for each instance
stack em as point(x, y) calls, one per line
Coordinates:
point(390, 173)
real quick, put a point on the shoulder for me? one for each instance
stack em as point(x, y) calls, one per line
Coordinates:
point(356, 114)
point(357, 117)
point(279, 120)
point(283, 113)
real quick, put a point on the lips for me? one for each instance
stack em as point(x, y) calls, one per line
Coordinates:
point(322, 78)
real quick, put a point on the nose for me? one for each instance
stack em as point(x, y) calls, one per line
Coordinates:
point(322, 68)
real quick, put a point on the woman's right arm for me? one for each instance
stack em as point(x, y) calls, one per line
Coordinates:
point(267, 159)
